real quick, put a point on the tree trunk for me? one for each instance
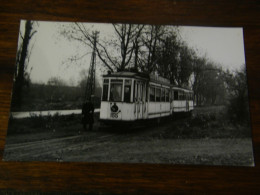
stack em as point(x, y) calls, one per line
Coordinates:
point(19, 80)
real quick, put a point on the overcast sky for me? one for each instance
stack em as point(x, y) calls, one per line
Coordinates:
point(222, 45)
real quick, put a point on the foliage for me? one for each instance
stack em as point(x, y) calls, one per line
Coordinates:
point(56, 81)
point(175, 60)
point(238, 97)
point(206, 122)
point(46, 97)
point(209, 83)
point(39, 123)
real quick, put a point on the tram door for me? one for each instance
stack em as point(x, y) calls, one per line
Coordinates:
point(139, 99)
point(187, 102)
point(144, 110)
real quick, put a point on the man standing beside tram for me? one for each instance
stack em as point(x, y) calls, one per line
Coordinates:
point(88, 114)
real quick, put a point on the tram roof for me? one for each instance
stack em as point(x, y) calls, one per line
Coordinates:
point(139, 75)
point(181, 88)
point(128, 75)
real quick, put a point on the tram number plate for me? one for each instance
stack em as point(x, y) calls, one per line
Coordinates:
point(114, 115)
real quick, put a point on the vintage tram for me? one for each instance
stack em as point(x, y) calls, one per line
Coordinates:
point(131, 96)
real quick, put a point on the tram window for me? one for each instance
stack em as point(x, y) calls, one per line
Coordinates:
point(115, 92)
point(152, 94)
point(158, 94)
point(167, 95)
point(163, 95)
point(127, 82)
point(105, 92)
point(176, 97)
point(180, 95)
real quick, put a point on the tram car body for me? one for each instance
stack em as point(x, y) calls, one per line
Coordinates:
point(130, 96)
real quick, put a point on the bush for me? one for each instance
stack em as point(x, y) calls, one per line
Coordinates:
point(238, 107)
point(202, 119)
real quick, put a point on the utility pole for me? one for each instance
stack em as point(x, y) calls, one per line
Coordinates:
point(90, 88)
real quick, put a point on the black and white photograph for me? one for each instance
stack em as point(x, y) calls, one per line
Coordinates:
point(129, 93)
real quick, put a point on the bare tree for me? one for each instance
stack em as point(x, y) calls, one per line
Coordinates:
point(150, 39)
point(116, 53)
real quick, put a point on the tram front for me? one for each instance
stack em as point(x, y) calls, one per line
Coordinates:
point(117, 98)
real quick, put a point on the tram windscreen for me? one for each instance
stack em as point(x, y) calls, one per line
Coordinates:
point(127, 94)
point(105, 92)
point(127, 91)
point(116, 91)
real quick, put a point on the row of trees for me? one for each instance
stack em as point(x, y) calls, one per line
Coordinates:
point(151, 48)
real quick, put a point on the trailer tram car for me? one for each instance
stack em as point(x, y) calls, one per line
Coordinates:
point(131, 96)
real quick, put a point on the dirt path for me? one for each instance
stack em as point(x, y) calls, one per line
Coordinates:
point(134, 148)
point(168, 142)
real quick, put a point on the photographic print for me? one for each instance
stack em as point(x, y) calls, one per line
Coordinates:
point(129, 93)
